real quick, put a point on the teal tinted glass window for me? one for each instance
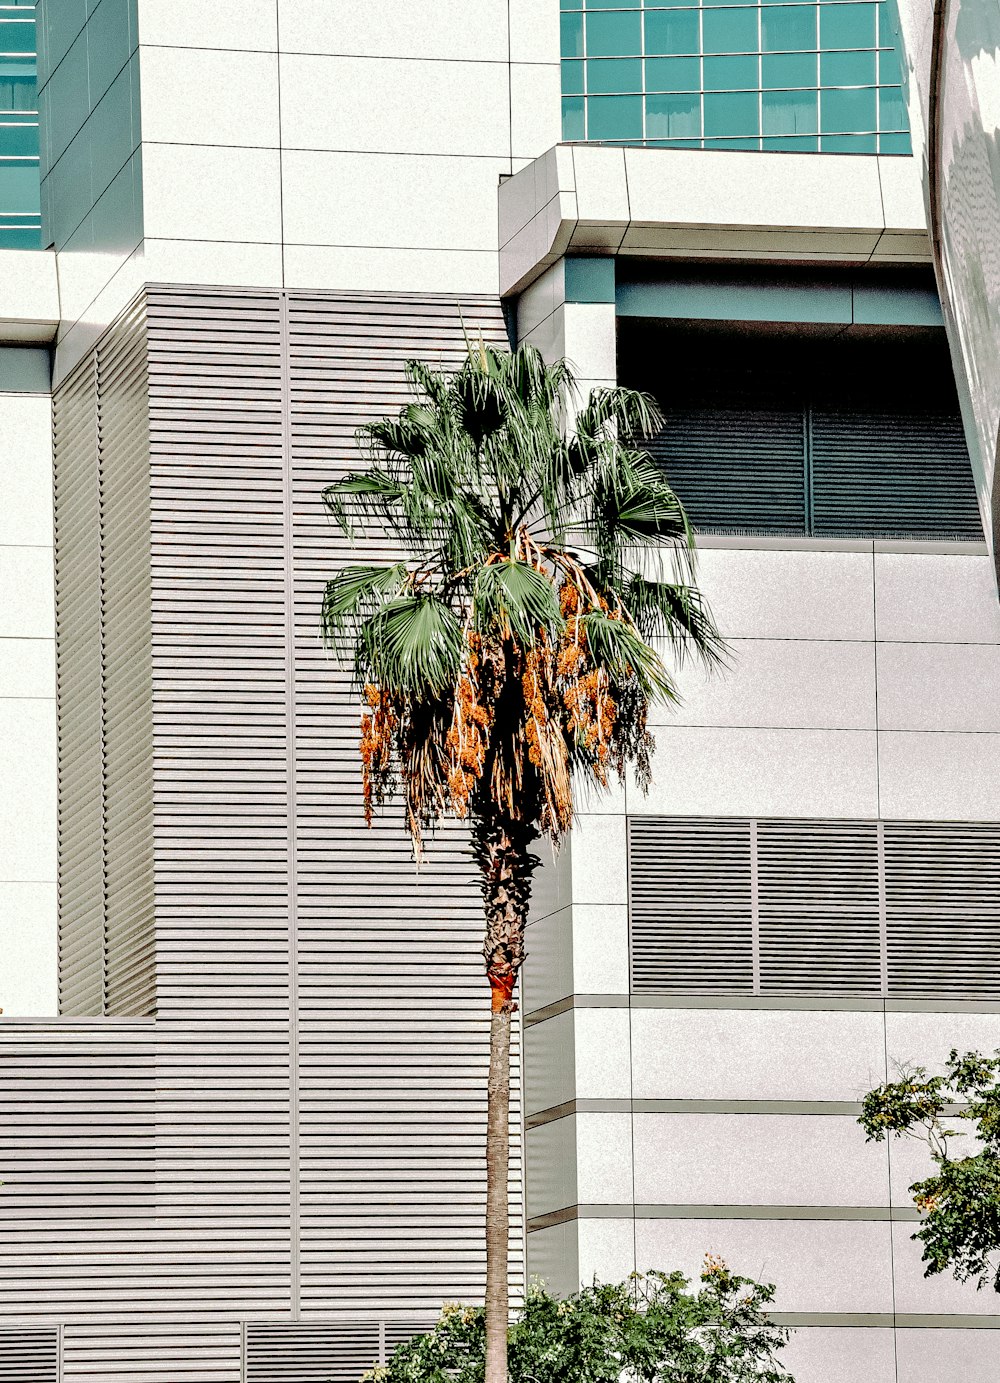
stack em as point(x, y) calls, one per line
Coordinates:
point(847, 69)
point(843, 112)
point(790, 144)
point(847, 144)
point(20, 220)
point(614, 117)
point(889, 73)
point(673, 74)
point(744, 63)
point(672, 31)
point(614, 74)
point(786, 27)
point(731, 113)
point(573, 122)
point(571, 35)
point(847, 26)
point(789, 112)
point(788, 69)
point(731, 74)
point(613, 34)
point(891, 110)
point(729, 31)
point(894, 144)
point(572, 78)
point(673, 117)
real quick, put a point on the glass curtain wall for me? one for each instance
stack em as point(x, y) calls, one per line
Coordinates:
point(802, 78)
point(20, 221)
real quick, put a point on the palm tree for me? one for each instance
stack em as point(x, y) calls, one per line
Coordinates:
point(511, 653)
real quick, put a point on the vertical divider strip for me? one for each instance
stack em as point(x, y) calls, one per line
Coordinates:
point(883, 929)
point(807, 470)
point(754, 908)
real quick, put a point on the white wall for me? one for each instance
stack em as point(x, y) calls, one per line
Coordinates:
point(862, 685)
point(27, 710)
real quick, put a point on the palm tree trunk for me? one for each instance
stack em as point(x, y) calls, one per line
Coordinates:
point(500, 846)
point(497, 1212)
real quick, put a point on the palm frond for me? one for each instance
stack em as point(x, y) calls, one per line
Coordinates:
point(624, 653)
point(354, 594)
point(361, 495)
point(677, 613)
point(413, 646)
point(512, 598)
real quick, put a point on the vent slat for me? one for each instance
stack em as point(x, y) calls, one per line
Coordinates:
point(815, 907)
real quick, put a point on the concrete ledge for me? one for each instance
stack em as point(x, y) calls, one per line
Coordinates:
point(711, 204)
point(29, 296)
point(853, 1213)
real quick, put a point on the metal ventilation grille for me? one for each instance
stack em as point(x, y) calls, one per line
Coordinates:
point(901, 909)
point(804, 436)
point(104, 679)
point(29, 1356)
point(886, 474)
point(690, 894)
point(943, 906)
point(818, 907)
point(736, 469)
point(320, 1351)
point(78, 693)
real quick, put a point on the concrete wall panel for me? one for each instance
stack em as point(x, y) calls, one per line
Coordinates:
point(756, 1159)
point(755, 1054)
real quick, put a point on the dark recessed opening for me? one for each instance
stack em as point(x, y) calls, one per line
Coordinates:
point(794, 430)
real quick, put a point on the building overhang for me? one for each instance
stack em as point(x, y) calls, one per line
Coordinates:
point(29, 304)
point(715, 205)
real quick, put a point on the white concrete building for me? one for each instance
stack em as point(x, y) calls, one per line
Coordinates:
point(250, 1136)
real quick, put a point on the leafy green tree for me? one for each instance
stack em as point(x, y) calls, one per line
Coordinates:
point(960, 1202)
point(648, 1329)
point(511, 651)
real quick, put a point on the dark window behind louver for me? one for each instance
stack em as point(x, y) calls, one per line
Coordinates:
point(905, 909)
point(29, 1356)
point(836, 439)
point(943, 904)
point(690, 905)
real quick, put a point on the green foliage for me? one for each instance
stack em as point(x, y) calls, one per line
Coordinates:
point(960, 1203)
point(651, 1328)
point(488, 454)
point(547, 565)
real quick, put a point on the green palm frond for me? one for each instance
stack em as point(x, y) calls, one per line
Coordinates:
point(677, 613)
point(353, 595)
point(360, 496)
point(413, 646)
point(623, 651)
point(513, 599)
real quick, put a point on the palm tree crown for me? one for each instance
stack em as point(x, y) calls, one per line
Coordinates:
point(512, 651)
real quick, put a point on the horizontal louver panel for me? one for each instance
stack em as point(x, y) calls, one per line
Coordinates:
point(394, 1015)
point(318, 1352)
point(818, 907)
point(29, 1356)
point(841, 438)
point(943, 905)
point(736, 470)
point(78, 693)
point(892, 475)
point(815, 907)
point(122, 409)
point(690, 906)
